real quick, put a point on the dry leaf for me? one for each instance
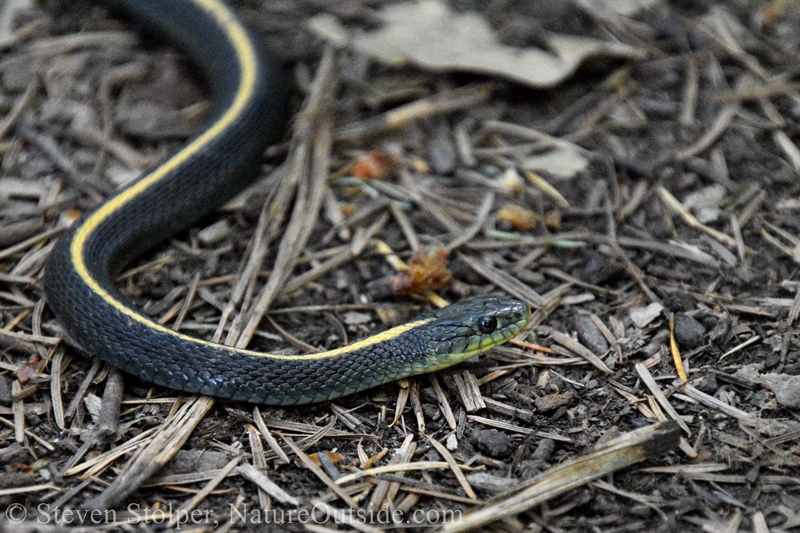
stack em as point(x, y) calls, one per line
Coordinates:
point(552, 219)
point(30, 369)
point(432, 36)
point(522, 218)
point(560, 162)
point(426, 272)
point(551, 402)
point(642, 316)
point(372, 166)
point(334, 458)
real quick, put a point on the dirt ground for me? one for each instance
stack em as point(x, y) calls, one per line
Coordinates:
point(645, 206)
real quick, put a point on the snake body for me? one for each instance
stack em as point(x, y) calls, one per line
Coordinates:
point(202, 175)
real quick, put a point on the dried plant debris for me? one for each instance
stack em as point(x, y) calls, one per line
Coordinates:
point(646, 208)
point(425, 272)
point(430, 35)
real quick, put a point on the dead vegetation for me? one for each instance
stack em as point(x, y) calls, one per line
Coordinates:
point(647, 209)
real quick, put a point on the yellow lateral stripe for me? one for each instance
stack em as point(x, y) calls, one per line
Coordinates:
point(248, 65)
point(375, 339)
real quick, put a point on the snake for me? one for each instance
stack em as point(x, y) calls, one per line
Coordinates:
point(247, 98)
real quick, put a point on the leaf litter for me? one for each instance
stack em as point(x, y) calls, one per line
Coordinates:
point(673, 229)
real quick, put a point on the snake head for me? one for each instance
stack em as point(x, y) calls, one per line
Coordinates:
point(469, 328)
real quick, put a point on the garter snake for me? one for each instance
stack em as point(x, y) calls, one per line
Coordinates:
point(199, 177)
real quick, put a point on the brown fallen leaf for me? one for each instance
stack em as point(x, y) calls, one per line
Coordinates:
point(426, 272)
point(334, 457)
point(522, 218)
point(375, 165)
point(552, 402)
point(30, 369)
point(552, 219)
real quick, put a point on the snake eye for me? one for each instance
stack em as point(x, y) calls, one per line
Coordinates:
point(487, 324)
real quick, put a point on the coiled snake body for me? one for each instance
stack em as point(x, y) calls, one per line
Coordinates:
point(213, 166)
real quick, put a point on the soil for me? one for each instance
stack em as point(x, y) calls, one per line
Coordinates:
point(663, 276)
